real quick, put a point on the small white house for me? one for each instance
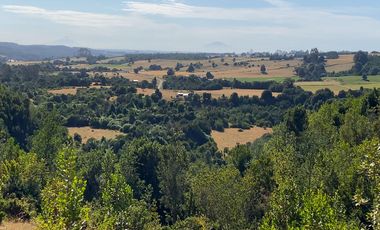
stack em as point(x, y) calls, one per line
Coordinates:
point(182, 95)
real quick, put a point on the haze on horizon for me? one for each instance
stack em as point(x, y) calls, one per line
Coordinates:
point(194, 25)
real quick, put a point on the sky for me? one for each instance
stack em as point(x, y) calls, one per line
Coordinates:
point(194, 25)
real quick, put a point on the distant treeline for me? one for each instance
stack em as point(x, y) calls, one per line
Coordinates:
point(194, 82)
point(166, 56)
point(292, 56)
point(31, 77)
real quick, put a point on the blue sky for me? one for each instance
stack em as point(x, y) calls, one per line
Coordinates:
point(194, 25)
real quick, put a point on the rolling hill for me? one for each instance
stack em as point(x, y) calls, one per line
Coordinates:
point(39, 52)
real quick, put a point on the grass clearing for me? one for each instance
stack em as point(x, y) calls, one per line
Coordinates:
point(166, 93)
point(277, 70)
point(74, 90)
point(64, 91)
point(337, 84)
point(344, 62)
point(17, 226)
point(87, 132)
point(171, 94)
point(232, 136)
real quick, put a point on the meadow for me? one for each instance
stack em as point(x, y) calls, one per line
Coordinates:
point(74, 90)
point(17, 226)
point(224, 68)
point(87, 133)
point(233, 136)
point(171, 94)
point(337, 84)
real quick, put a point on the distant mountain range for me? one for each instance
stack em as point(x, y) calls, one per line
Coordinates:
point(40, 52)
point(218, 47)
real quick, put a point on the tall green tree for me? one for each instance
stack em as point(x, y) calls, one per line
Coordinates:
point(360, 59)
point(240, 157)
point(319, 212)
point(21, 181)
point(63, 197)
point(49, 139)
point(138, 161)
point(313, 67)
point(220, 195)
point(15, 115)
point(296, 120)
point(285, 200)
point(370, 167)
point(171, 173)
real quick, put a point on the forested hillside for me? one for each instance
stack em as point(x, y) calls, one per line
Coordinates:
point(320, 168)
point(38, 52)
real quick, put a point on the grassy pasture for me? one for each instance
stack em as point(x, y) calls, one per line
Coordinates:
point(337, 84)
point(232, 136)
point(17, 226)
point(87, 132)
point(345, 62)
point(171, 94)
point(65, 91)
point(74, 90)
point(166, 94)
point(277, 70)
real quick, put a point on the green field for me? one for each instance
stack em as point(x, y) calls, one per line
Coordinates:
point(337, 84)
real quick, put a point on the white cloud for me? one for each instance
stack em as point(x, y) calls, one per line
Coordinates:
point(280, 24)
point(279, 14)
point(278, 3)
point(175, 9)
point(279, 11)
point(155, 26)
point(73, 18)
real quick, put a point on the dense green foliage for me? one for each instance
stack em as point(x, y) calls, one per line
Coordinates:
point(318, 170)
point(15, 115)
point(194, 82)
point(366, 64)
point(313, 67)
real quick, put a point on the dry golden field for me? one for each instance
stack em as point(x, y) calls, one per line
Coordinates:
point(275, 69)
point(65, 91)
point(345, 62)
point(87, 132)
point(74, 90)
point(171, 94)
point(166, 94)
point(232, 136)
point(17, 226)
point(24, 62)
